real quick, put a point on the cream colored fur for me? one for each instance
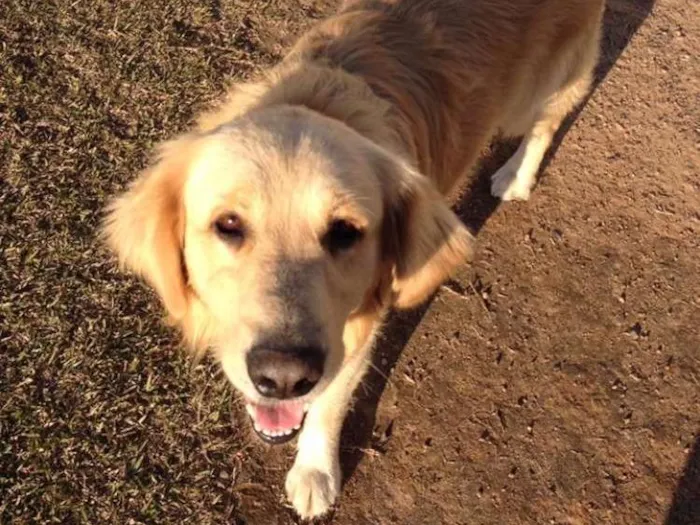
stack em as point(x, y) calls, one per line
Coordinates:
point(373, 118)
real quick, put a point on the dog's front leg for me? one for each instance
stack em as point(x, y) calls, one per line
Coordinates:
point(314, 481)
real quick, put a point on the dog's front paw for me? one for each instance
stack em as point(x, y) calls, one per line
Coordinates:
point(311, 491)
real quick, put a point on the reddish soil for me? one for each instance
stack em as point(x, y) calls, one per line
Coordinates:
point(557, 380)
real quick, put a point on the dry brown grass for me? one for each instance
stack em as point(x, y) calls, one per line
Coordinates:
point(102, 419)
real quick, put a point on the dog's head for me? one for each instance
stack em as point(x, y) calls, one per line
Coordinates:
point(278, 240)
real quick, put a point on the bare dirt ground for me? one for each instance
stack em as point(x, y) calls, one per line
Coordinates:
point(554, 381)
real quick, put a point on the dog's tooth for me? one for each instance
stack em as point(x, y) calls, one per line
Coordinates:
point(306, 407)
point(296, 427)
point(257, 427)
point(249, 408)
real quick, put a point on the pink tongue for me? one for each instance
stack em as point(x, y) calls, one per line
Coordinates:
point(284, 416)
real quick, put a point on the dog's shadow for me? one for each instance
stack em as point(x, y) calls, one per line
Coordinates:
point(621, 21)
point(685, 507)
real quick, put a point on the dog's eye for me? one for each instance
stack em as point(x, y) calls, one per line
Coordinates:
point(229, 227)
point(340, 236)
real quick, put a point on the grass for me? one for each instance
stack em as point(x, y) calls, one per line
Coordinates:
point(102, 417)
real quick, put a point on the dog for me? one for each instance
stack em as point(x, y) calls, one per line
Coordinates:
point(280, 231)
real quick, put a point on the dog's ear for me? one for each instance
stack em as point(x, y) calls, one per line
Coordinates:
point(145, 226)
point(422, 238)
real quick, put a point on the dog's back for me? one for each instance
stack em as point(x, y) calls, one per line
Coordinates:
point(458, 71)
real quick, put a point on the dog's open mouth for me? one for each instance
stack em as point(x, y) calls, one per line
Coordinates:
point(278, 423)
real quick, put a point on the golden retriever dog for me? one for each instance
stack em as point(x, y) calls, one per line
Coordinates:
point(280, 231)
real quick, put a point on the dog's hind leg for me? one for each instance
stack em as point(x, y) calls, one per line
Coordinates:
point(516, 178)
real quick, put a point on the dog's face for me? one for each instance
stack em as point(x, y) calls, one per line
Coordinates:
point(278, 240)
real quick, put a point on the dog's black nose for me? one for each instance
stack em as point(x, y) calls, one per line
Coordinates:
point(285, 373)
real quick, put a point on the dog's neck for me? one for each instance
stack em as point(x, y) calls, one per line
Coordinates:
point(342, 96)
point(324, 89)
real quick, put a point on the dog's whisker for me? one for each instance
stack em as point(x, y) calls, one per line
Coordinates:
point(377, 369)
